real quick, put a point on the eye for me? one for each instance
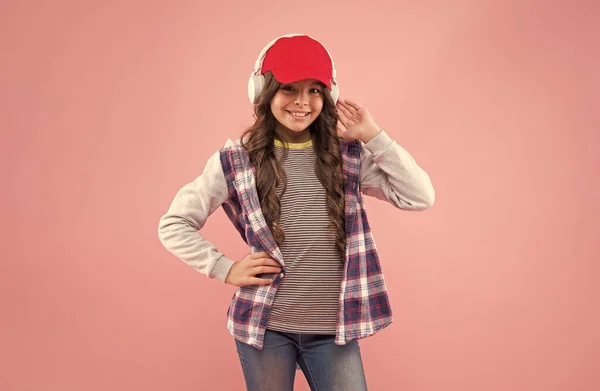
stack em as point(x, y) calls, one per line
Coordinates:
point(316, 91)
point(287, 88)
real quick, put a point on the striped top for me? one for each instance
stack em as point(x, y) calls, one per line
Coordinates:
point(308, 298)
point(380, 169)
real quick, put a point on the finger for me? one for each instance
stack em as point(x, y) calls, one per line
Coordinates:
point(343, 120)
point(352, 104)
point(344, 104)
point(265, 269)
point(345, 111)
point(259, 281)
point(266, 261)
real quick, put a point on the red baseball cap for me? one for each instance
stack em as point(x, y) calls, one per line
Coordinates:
point(296, 58)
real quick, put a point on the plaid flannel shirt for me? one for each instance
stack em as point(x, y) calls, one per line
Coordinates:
point(364, 307)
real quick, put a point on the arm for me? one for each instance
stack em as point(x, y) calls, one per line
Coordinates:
point(388, 172)
point(178, 229)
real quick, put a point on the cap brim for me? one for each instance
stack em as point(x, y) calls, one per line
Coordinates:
point(284, 76)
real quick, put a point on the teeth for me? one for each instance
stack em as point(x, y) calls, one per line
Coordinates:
point(298, 114)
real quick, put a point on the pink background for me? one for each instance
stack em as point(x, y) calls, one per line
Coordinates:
point(108, 107)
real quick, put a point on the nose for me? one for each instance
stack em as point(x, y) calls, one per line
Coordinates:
point(302, 98)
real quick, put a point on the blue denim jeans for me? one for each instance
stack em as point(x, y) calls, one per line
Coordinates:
point(326, 366)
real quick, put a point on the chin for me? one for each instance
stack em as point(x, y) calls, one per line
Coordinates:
point(297, 129)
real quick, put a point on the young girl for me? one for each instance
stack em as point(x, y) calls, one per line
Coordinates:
point(292, 186)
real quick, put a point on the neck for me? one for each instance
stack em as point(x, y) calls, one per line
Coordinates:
point(293, 137)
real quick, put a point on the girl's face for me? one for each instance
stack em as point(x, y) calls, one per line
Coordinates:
point(296, 106)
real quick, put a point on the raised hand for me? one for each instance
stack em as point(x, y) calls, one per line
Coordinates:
point(358, 124)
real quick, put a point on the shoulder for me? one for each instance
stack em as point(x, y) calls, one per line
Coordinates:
point(232, 147)
point(232, 144)
point(231, 155)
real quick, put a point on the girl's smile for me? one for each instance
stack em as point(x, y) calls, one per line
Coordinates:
point(295, 106)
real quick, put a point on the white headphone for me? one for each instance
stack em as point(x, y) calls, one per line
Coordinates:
point(257, 81)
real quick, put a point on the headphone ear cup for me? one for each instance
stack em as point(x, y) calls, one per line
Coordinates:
point(255, 86)
point(251, 88)
point(335, 92)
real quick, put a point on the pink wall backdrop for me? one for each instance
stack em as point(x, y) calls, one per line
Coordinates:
point(108, 107)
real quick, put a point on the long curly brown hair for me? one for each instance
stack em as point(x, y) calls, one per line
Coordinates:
point(258, 140)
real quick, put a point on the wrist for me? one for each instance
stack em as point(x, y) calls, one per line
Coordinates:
point(222, 268)
point(370, 134)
